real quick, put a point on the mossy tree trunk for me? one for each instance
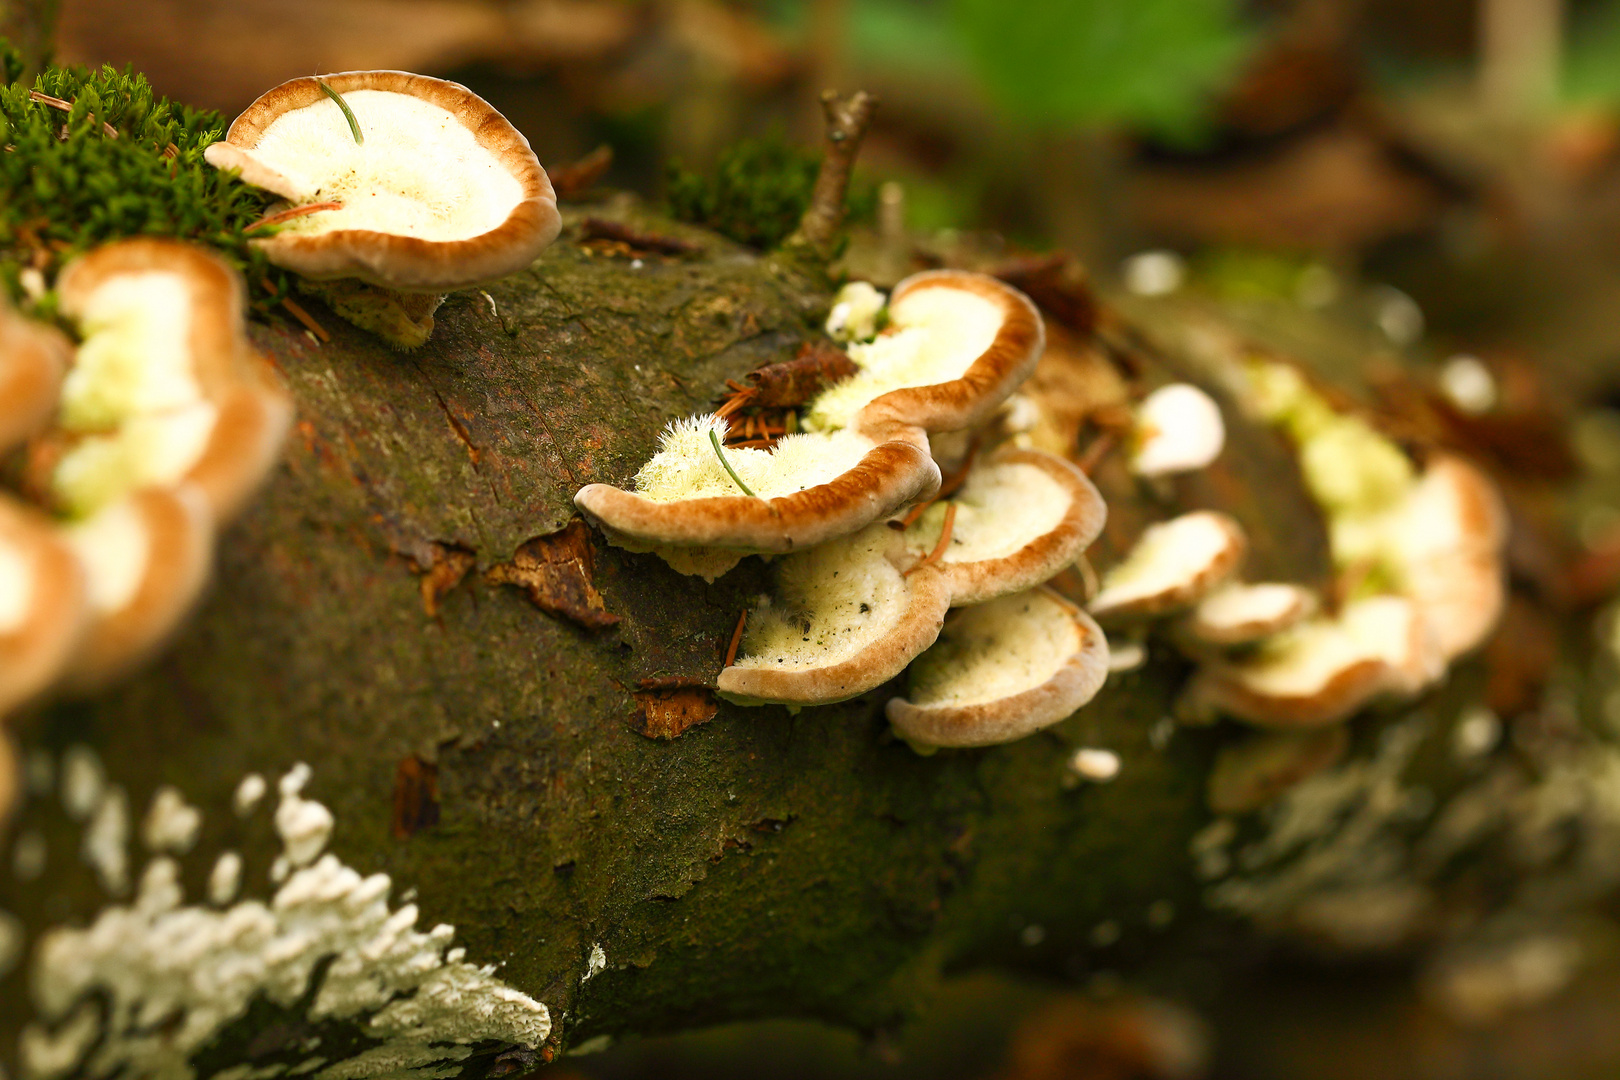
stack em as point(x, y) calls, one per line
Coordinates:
point(485, 753)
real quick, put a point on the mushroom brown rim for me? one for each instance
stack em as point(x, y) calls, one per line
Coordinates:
point(1041, 558)
point(180, 538)
point(1189, 592)
point(33, 359)
point(253, 412)
point(1339, 698)
point(897, 471)
point(37, 651)
point(410, 263)
point(1006, 719)
point(928, 599)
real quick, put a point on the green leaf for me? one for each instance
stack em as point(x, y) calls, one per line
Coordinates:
point(1153, 63)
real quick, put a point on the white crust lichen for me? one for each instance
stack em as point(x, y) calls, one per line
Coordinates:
point(173, 976)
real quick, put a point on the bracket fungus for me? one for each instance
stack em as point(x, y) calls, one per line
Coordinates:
point(956, 345)
point(33, 358)
point(1000, 671)
point(1240, 613)
point(442, 193)
point(846, 618)
point(1019, 518)
point(42, 603)
point(1178, 429)
point(162, 425)
point(1174, 564)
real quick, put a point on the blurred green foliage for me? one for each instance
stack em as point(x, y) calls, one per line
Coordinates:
point(1147, 63)
point(1592, 68)
point(759, 190)
point(70, 183)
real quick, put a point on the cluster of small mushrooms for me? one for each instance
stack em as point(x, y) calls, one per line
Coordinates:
point(863, 589)
point(137, 443)
point(914, 529)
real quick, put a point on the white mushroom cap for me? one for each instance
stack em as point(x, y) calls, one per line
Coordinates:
point(1178, 429)
point(1002, 670)
point(1239, 613)
point(1322, 671)
point(145, 558)
point(42, 604)
point(844, 619)
point(442, 193)
point(1174, 564)
point(1020, 517)
point(33, 357)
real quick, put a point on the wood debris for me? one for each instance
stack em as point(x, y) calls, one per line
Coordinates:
point(556, 571)
point(670, 713)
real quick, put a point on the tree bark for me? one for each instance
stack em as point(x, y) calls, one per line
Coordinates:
point(485, 753)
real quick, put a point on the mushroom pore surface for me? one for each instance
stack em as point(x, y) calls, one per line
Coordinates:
point(420, 171)
point(831, 603)
point(936, 333)
point(687, 466)
point(995, 650)
point(999, 509)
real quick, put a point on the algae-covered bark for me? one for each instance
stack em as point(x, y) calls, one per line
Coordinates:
point(484, 752)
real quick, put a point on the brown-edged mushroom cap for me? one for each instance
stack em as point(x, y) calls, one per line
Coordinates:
point(1174, 564)
point(845, 618)
point(1178, 429)
point(42, 603)
point(1239, 613)
point(1322, 671)
point(146, 558)
point(1019, 517)
point(1447, 547)
point(1002, 670)
point(442, 193)
point(33, 358)
point(163, 388)
point(957, 345)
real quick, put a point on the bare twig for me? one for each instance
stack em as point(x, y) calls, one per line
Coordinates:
point(292, 212)
point(736, 638)
point(847, 120)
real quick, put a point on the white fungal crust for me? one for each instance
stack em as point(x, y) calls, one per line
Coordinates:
point(164, 387)
point(1239, 613)
point(844, 619)
point(1178, 429)
point(1322, 671)
point(146, 559)
point(43, 604)
point(33, 358)
point(1174, 564)
point(1020, 517)
point(441, 194)
point(957, 344)
point(327, 941)
point(1002, 670)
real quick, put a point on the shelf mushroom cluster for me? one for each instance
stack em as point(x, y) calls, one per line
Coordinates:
point(1419, 555)
point(139, 441)
point(399, 188)
point(861, 595)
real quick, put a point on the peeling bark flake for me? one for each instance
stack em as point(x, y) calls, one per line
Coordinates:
point(556, 570)
point(670, 713)
point(447, 565)
point(416, 797)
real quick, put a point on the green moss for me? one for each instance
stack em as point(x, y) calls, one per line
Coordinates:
point(758, 193)
point(71, 184)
